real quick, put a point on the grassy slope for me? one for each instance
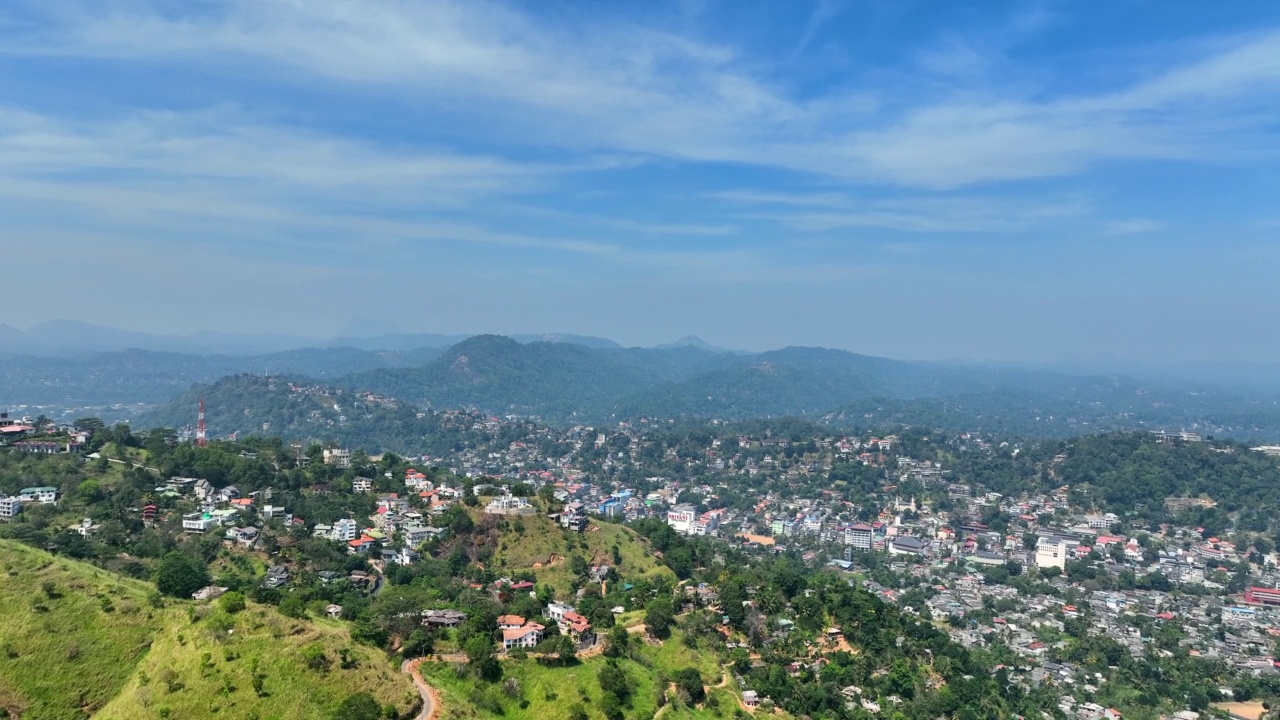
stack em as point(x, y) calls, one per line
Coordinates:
point(550, 691)
point(291, 689)
point(543, 539)
point(70, 652)
point(64, 656)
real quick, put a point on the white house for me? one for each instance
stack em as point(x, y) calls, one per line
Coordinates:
point(362, 485)
point(344, 530)
point(198, 522)
point(44, 495)
point(526, 636)
point(204, 490)
point(508, 504)
point(556, 611)
point(10, 506)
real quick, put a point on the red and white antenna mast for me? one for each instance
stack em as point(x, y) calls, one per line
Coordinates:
point(202, 436)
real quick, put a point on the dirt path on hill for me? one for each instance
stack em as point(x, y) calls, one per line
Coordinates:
point(430, 696)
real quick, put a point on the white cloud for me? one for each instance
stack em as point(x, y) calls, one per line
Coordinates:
point(622, 87)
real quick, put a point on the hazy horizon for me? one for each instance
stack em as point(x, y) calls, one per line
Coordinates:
point(1021, 181)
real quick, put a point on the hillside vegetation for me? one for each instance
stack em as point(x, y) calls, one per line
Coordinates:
point(78, 640)
point(543, 692)
point(539, 545)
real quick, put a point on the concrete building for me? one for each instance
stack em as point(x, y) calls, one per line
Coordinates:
point(10, 506)
point(1050, 552)
point(858, 536)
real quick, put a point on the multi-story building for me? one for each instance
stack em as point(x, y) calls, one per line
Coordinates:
point(198, 522)
point(1262, 596)
point(337, 458)
point(44, 495)
point(1050, 552)
point(681, 518)
point(10, 506)
point(858, 536)
point(345, 530)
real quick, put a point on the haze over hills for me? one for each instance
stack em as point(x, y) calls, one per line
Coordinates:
point(566, 384)
point(567, 379)
point(69, 337)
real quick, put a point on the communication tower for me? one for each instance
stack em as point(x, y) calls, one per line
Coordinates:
point(202, 436)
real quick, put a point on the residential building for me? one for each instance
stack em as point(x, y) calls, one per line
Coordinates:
point(10, 506)
point(345, 530)
point(362, 485)
point(509, 505)
point(337, 457)
point(415, 535)
point(525, 636)
point(443, 618)
point(198, 523)
point(44, 495)
point(574, 517)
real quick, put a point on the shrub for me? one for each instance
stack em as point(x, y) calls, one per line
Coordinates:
point(360, 706)
point(314, 658)
point(232, 602)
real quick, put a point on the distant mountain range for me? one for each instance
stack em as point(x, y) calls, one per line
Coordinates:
point(566, 383)
point(64, 337)
point(567, 379)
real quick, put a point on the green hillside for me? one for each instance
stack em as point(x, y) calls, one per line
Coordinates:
point(548, 550)
point(547, 692)
point(72, 634)
point(78, 640)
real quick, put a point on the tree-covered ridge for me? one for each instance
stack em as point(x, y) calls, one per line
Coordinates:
point(1132, 474)
point(564, 382)
point(297, 409)
point(148, 377)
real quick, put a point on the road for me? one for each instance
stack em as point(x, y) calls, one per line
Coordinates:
point(134, 464)
point(428, 693)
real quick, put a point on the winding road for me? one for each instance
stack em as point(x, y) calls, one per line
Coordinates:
point(430, 696)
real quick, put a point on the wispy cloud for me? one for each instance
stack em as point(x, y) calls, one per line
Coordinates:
point(823, 12)
point(620, 87)
point(967, 213)
point(1132, 226)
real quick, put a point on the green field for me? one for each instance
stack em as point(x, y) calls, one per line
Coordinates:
point(78, 640)
point(545, 548)
point(548, 692)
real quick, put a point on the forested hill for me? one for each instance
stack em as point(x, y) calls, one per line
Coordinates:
point(1134, 473)
point(298, 410)
point(148, 377)
point(555, 380)
point(561, 382)
point(565, 383)
point(569, 383)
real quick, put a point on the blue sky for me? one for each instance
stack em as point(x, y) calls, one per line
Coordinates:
point(1044, 181)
